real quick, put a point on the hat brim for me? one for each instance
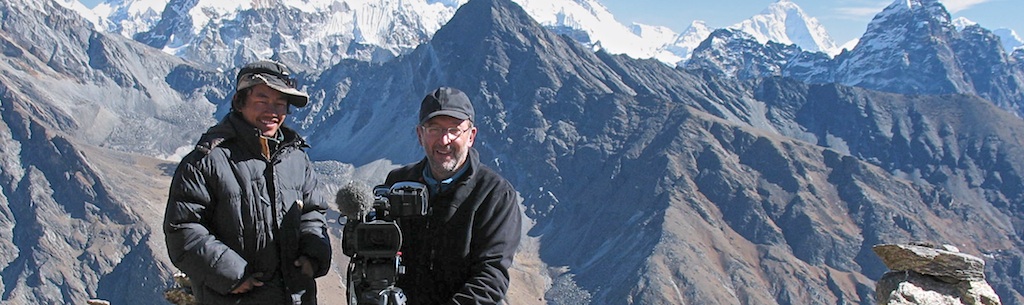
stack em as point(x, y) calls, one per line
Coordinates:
point(452, 113)
point(295, 97)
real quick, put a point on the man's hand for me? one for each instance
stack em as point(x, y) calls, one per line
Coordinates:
point(305, 265)
point(248, 284)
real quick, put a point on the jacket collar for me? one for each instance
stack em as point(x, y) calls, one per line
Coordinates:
point(458, 192)
point(234, 128)
point(438, 186)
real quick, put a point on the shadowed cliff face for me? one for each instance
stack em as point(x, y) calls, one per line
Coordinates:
point(78, 221)
point(71, 231)
point(644, 184)
point(774, 219)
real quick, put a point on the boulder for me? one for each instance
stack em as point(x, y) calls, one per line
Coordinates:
point(945, 264)
point(926, 274)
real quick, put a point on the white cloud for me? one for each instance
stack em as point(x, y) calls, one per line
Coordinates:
point(954, 6)
point(858, 13)
point(862, 10)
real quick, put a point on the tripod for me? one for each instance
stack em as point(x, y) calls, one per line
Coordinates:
point(372, 281)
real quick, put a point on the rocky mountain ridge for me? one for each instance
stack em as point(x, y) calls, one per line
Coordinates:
point(73, 225)
point(911, 47)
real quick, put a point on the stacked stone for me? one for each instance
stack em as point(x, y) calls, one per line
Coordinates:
point(927, 274)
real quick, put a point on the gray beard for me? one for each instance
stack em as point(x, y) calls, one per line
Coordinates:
point(447, 167)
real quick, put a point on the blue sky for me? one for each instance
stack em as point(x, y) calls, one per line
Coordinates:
point(844, 19)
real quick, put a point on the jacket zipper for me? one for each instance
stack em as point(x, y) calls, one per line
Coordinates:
point(430, 264)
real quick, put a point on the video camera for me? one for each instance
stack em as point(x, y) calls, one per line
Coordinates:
point(373, 241)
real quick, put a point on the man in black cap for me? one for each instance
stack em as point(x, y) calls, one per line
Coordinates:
point(245, 217)
point(461, 251)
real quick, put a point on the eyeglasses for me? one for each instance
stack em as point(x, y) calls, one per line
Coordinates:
point(434, 131)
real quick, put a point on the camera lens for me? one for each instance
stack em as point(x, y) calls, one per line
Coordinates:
point(378, 239)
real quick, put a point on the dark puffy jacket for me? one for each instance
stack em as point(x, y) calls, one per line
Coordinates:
point(232, 213)
point(460, 253)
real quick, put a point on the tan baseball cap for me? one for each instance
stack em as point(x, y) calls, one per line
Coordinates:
point(275, 75)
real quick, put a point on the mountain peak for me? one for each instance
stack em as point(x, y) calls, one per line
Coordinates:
point(1011, 41)
point(909, 19)
point(785, 22)
point(785, 4)
point(962, 22)
point(932, 9)
point(914, 47)
point(590, 23)
point(489, 16)
point(911, 4)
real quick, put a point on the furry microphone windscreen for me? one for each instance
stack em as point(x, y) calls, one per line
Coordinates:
point(354, 200)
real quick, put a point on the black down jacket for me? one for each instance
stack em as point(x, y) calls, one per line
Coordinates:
point(460, 253)
point(232, 213)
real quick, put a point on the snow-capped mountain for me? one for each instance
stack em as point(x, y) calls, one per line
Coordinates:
point(590, 23)
point(1011, 41)
point(734, 53)
point(76, 6)
point(737, 54)
point(682, 46)
point(307, 34)
point(911, 47)
point(914, 38)
point(782, 22)
point(962, 22)
point(319, 33)
point(129, 17)
point(786, 23)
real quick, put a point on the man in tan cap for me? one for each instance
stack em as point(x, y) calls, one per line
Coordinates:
point(245, 217)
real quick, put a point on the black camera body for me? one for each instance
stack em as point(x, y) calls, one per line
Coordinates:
point(374, 241)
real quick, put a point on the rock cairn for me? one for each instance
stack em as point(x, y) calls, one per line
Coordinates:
point(929, 274)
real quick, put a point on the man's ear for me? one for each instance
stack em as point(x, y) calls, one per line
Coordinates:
point(238, 100)
point(472, 136)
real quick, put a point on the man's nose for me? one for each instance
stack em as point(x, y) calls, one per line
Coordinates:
point(447, 138)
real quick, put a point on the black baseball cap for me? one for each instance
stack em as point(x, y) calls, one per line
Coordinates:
point(275, 75)
point(446, 101)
